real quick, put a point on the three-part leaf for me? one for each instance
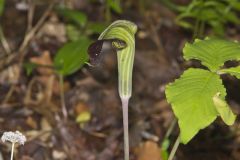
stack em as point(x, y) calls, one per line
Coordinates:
point(212, 53)
point(198, 96)
point(191, 100)
point(72, 56)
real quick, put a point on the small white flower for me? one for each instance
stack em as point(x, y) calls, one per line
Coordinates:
point(14, 137)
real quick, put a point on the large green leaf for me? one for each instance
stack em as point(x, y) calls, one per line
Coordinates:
point(212, 52)
point(191, 99)
point(234, 71)
point(2, 2)
point(224, 110)
point(72, 56)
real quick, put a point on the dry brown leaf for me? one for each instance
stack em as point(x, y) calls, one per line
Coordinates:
point(31, 122)
point(149, 151)
point(80, 107)
point(44, 60)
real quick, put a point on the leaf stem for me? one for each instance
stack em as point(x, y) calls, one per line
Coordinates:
point(174, 149)
point(170, 129)
point(64, 109)
point(13, 144)
point(125, 127)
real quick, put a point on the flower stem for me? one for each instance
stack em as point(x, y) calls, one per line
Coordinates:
point(13, 144)
point(125, 127)
point(174, 149)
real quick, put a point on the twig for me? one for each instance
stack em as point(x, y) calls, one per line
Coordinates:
point(9, 94)
point(30, 15)
point(33, 31)
point(63, 104)
point(4, 42)
point(30, 34)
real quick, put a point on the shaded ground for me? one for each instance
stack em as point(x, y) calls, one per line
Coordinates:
point(33, 104)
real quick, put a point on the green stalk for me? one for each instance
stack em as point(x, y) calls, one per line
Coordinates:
point(125, 31)
point(125, 126)
point(196, 29)
point(174, 149)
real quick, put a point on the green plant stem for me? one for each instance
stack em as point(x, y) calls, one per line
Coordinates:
point(125, 127)
point(196, 29)
point(201, 29)
point(174, 149)
point(63, 105)
point(13, 144)
point(171, 127)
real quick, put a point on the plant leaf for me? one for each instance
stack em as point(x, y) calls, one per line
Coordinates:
point(73, 32)
point(224, 110)
point(212, 52)
point(115, 5)
point(29, 67)
point(72, 56)
point(96, 27)
point(75, 16)
point(2, 2)
point(234, 71)
point(191, 100)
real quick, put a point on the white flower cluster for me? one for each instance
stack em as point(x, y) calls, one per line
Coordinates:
point(14, 137)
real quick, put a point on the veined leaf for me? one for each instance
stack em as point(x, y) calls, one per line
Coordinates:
point(191, 99)
point(2, 2)
point(212, 52)
point(234, 71)
point(224, 110)
point(72, 56)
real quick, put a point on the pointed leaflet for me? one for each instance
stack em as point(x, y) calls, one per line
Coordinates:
point(125, 31)
point(72, 56)
point(191, 99)
point(234, 71)
point(224, 110)
point(212, 52)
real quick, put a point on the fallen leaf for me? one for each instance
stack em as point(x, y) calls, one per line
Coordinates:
point(43, 61)
point(149, 151)
point(80, 107)
point(31, 122)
